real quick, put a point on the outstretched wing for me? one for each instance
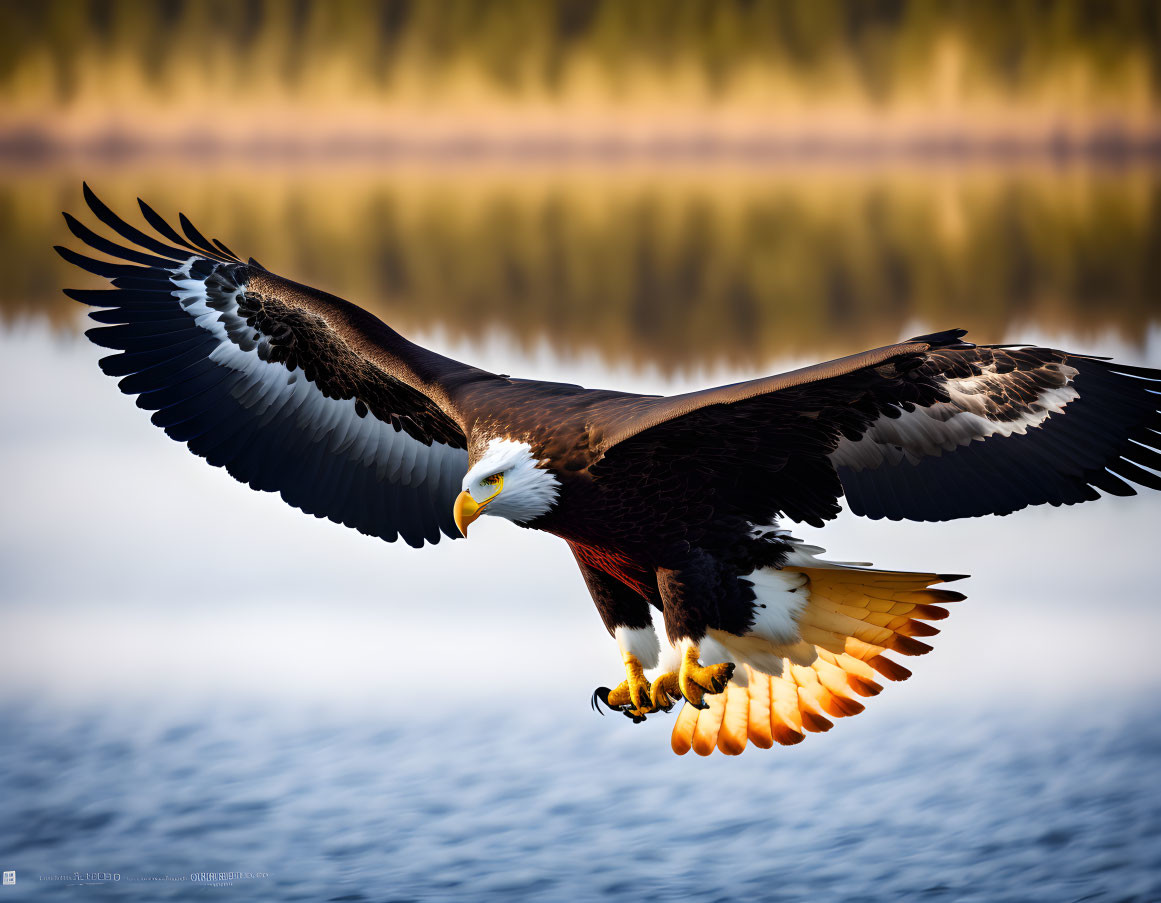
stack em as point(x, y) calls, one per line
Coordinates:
point(290, 389)
point(1019, 427)
point(931, 429)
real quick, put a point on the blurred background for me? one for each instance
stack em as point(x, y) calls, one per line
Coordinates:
point(654, 196)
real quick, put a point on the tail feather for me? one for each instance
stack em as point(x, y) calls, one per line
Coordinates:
point(889, 668)
point(758, 726)
point(682, 737)
point(853, 617)
point(859, 675)
point(734, 732)
point(785, 712)
point(707, 728)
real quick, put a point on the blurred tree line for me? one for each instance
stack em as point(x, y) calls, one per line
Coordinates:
point(1105, 54)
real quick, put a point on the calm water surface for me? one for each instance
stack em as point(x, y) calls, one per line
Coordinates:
point(556, 806)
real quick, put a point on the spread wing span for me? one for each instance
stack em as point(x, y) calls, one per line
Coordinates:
point(930, 430)
point(290, 389)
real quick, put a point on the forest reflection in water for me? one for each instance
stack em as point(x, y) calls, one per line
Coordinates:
point(663, 268)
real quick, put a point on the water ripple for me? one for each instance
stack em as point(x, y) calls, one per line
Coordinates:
point(966, 809)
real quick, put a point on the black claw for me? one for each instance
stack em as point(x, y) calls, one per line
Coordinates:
point(601, 695)
point(719, 685)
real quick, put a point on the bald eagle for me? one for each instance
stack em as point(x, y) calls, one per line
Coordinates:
point(670, 505)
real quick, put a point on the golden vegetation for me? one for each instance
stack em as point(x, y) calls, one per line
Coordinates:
point(335, 74)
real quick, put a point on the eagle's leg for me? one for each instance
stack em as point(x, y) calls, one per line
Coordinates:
point(665, 691)
point(631, 696)
point(639, 650)
point(692, 682)
point(628, 617)
point(695, 680)
point(693, 602)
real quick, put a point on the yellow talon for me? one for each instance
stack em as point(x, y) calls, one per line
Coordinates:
point(619, 696)
point(665, 690)
point(632, 695)
point(636, 697)
point(695, 680)
point(638, 686)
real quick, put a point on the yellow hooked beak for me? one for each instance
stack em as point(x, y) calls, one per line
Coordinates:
point(466, 510)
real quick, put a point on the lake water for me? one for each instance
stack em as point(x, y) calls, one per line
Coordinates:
point(195, 678)
point(555, 805)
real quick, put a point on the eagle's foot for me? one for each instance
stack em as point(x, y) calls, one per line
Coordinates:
point(631, 695)
point(696, 680)
point(665, 691)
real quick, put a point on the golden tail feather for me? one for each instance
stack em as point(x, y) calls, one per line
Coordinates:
point(852, 618)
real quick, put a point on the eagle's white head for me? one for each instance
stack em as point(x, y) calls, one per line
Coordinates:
point(508, 482)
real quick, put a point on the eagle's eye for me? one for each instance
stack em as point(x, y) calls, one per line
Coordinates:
point(489, 488)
